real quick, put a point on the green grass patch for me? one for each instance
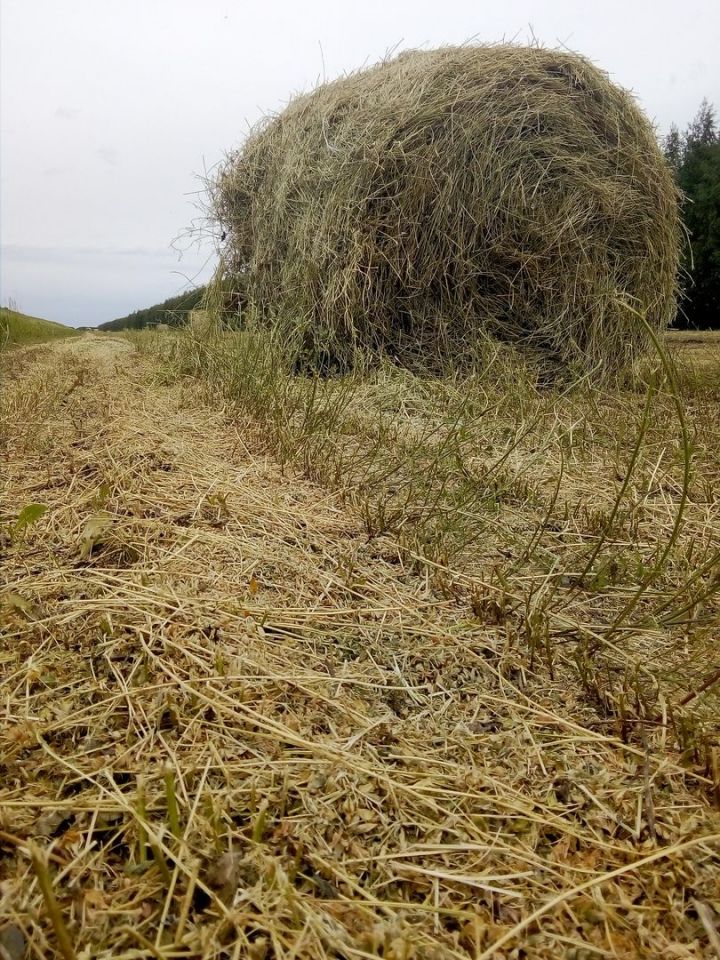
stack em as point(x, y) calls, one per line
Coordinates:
point(17, 329)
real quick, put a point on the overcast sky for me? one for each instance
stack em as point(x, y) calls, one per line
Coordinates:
point(111, 109)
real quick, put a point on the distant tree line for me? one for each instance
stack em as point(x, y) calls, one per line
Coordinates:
point(694, 156)
point(173, 311)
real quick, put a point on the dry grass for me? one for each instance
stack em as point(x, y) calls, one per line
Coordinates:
point(444, 197)
point(698, 352)
point(237, 724)
point(593, 512)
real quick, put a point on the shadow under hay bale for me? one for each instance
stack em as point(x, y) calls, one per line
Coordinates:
point(419, 207)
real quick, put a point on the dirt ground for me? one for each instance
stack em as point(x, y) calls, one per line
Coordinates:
point(233, 725)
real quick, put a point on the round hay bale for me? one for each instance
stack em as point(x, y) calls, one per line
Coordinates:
point(201, 324)
point(442, 196)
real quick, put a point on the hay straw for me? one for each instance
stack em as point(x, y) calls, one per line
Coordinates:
point(417, 207)
point(328, 755)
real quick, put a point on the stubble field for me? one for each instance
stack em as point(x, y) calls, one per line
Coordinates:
point(388, 666)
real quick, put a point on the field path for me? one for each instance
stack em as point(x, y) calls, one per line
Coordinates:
point(232, 725)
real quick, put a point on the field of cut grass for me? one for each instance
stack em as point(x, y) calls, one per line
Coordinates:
point(695, 347)
point(17, 329)
point(594, 511)
point(375, 666)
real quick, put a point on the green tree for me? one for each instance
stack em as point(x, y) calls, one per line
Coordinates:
point(673, 148)
point(702, 129)
point(173, 312)
point(695, 157)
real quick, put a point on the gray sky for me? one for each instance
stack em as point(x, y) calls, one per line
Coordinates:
point(111, 108)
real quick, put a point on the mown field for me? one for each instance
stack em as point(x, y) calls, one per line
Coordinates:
point(18, 329)
point(382, 665)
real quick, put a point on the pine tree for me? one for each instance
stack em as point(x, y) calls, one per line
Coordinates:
point(673, 148)
point(702, 129)
point(695, 159)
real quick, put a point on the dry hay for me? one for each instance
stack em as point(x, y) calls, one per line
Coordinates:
point(232, 726)
point(444, 195)
point(201, 324)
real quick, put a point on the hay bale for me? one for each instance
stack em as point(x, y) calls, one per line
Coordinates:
point(446, 195)
point(201, 324)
